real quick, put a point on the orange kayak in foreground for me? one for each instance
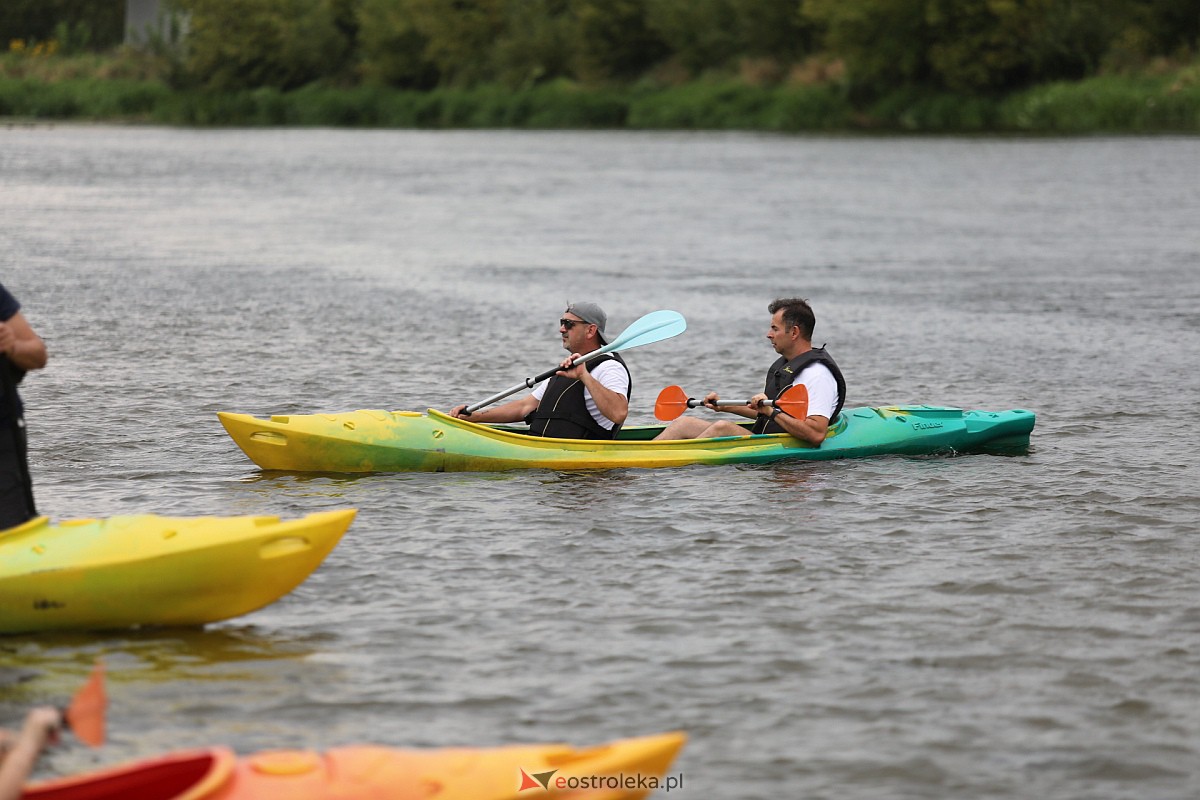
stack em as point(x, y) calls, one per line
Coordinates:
point(626, 769)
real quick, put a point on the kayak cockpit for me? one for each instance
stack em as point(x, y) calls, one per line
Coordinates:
point(188, 775)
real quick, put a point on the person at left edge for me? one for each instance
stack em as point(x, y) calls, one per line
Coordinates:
point(19, 750)
point(588, 401)
point(20, 350)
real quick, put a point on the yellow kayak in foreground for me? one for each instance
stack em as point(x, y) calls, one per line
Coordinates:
point(151, 570)
point(627, 769)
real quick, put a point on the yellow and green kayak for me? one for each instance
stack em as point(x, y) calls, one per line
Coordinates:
point(627, 769)
point(388, 441)
point(150, 570)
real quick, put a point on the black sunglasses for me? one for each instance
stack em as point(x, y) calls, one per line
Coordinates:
point(571, 323)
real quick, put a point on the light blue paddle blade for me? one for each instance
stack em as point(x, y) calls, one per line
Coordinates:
point(654, 327)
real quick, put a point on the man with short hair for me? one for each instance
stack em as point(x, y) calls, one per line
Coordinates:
point(790, 334)
point(588, 401)
point(20, 350)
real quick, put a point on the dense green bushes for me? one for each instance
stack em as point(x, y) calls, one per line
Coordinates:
point(1000, 45)
point(981, 47)
point(984, 47)
point(788, 65)
point(1114, 104)
point(1164, 103)
point(82, 98)
point(283, 44)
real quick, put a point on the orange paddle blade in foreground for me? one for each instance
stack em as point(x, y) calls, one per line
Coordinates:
point(794, 401)
point(85, 715)
point(671, 403)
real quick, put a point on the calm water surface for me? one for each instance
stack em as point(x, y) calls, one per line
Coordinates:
point(976, 626)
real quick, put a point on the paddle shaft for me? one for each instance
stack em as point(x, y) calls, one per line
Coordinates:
point(694, 403)
point(673, 400)
point(65, 721)
point(68, 722)
point(653, 327)
point(529, 383)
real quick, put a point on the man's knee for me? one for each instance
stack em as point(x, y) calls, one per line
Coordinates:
point(722, 428)
point(683, 428)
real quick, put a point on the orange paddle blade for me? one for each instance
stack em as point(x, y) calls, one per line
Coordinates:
point(85, 715)
point(794, 401)
point(671, 403)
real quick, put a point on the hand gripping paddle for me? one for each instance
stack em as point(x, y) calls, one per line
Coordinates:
point(654, 327)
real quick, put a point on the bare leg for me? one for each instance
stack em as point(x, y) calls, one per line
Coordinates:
point(684, 428)
point(694, 428)
point(723, 428)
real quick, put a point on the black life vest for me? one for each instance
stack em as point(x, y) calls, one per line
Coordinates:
point(563, 412)
point(782, 374)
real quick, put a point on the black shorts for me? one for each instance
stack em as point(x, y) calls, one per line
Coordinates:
point(16, 488)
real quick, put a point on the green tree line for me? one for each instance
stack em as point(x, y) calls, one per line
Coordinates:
point(872, 48)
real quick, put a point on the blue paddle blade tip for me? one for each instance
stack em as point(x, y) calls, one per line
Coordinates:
point(654, 327)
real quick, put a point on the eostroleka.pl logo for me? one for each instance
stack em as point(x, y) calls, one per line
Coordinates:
point(535, 780)
point(645, 783)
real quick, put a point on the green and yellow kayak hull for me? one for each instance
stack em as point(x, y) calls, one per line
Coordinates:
point(405, 441)
point(89, 574)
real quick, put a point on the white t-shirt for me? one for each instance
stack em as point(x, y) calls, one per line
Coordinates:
point(612, 376)
point(822, 389)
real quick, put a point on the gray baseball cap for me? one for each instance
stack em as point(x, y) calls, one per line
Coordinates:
point(590, 312)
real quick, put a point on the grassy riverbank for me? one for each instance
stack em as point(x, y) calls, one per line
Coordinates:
point(1155, 101)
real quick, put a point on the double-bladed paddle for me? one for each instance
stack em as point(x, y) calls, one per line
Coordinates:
point(673, 401)
point(654, 327)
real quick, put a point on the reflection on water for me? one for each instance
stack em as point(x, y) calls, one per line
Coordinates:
point(791, 478)
point(308, 484)
point(148, 654)
point(584, 492)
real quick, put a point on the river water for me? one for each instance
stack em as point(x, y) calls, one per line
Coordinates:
point(977, 626)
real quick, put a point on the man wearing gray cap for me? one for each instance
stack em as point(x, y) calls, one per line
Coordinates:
point(589, 401)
